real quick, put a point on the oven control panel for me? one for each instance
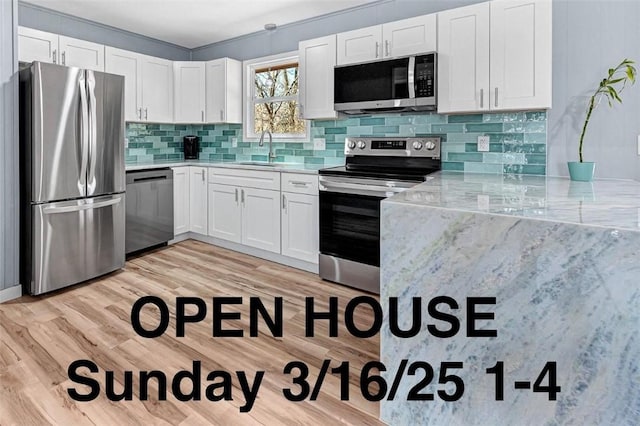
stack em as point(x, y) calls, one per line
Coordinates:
point(393, 147)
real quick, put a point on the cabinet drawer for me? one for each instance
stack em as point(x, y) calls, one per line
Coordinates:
point(300, 183)
point(247, 178)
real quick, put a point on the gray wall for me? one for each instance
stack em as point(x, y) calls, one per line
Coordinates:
point(33, 16)
point(8, 147)
point(588, 38)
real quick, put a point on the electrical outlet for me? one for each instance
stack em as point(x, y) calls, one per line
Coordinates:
point(126, 142)
point(234, 142)
point(483, 143)
point(319, 144)
point(483, 202)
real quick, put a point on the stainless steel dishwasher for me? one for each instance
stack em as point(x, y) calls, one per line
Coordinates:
point(149, 202)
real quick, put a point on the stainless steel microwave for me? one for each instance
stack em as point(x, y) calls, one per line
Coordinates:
point(398, 84)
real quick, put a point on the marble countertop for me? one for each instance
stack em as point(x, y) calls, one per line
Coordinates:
point(280, 167)
point(604, 203)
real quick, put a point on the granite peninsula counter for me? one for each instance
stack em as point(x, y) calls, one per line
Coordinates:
point(562, 260)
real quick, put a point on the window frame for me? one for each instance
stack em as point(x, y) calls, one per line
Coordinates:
point(248, 111)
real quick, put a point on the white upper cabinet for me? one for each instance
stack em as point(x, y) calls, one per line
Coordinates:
point(128, 64)
point(495, 56)
point(189, 92)
point(359, 45)
point(463, 59)
point(520, 54)
point(390, 40)
point(410, 36)
point(317, 58)
point(35, 45)
point(157, 89)
point(224, 91)
point(81, 54)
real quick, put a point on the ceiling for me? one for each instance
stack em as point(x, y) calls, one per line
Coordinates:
point(194, 23)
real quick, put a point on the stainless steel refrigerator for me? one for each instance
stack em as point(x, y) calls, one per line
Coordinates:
point(72, 175)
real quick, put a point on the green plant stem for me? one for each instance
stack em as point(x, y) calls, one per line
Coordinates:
point(586, 121)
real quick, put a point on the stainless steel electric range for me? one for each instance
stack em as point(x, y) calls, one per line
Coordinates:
point(350, 196)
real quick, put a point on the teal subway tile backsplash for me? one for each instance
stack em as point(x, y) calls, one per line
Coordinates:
point(518, 141)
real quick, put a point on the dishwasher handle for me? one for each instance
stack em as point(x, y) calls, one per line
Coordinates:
point(140, 176)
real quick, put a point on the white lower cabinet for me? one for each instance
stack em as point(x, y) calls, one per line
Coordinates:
point(198, 200)
point(225, 221)
point(300, 216)
point(181, 198)
point(244, 207)
point(261, 219)
point(300, 226)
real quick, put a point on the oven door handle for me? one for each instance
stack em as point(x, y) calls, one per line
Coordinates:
point(357, 189)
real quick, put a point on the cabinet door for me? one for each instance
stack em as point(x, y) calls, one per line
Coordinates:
point(261, 218)
point(157, 89)
point(224, 91)
point(300, 226)
point(317, 58)
point(189, 92)
point(225, 212)
point(520, 54)
point(35, 45)
point(463, 59)
point(180, 200)
point(360, 45)
point(198, 200)
point(410, 36)
point(129, 65)
point(81, 54)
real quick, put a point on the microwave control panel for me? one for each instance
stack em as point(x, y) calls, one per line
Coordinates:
point(425, 76)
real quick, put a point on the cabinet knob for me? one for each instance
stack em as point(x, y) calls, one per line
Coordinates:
point(55, 54)
point(386, 48)
point(496, 103)
point(481, 98)
point(377, 45)
point(64, 59)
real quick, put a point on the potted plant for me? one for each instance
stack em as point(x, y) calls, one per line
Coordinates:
point(610, 87)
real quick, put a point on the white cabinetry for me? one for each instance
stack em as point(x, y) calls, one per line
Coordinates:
point(261, 218)
point(394, 39)
point(189, 91)
point(157, 89)
point(300, 223)
point(520, 54)
point(35, 45)
point(244, 207)
point(148, 94)
point(225, 221)
point(224, 91)
point(129, 65)
point(181, 199)
point(198, 200)
point(317, 58)
point(495, 56)
point(410, 36)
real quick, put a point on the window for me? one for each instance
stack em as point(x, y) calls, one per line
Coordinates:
point(271, 85)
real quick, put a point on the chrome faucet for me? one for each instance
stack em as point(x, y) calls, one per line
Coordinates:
point(272, 155)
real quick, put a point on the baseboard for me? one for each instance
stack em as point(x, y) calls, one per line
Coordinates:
point(10, 293)
point(262, 254)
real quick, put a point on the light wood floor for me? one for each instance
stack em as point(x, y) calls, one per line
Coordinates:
point(40, 337)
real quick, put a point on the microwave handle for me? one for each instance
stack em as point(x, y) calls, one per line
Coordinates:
point(411, 77)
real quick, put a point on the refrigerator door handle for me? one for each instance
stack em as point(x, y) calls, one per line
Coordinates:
point(80, 207)
point(84, 134)
point(93, 132)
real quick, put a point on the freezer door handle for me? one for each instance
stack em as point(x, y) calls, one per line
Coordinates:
point(93, 132)
point(80, 207)
point(84, 133)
